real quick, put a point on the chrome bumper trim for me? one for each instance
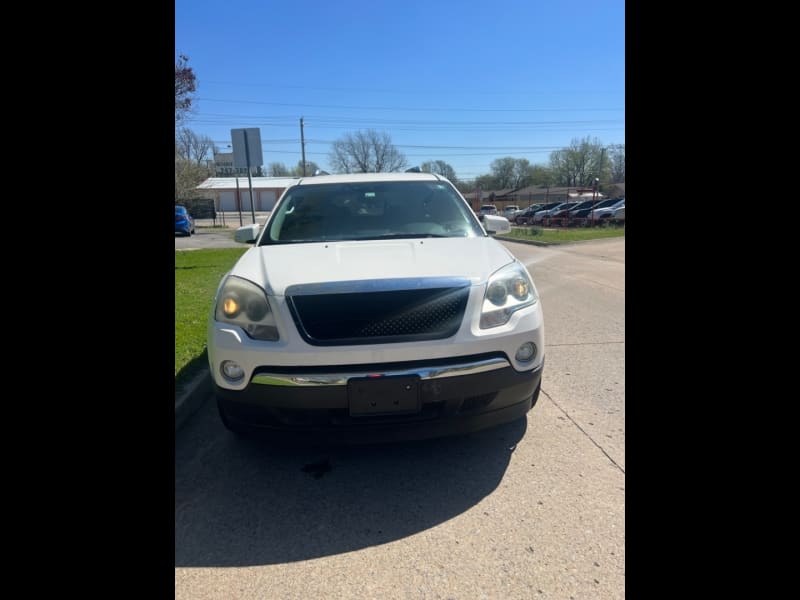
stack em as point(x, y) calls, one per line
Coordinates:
point(341, 377)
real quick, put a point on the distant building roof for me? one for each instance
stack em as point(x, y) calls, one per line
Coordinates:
point(487, 195)
point(262, 183)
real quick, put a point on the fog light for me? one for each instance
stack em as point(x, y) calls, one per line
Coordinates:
point(526, 352)
point(232, 371)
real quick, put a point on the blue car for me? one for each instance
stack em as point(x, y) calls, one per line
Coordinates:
point(184, 223)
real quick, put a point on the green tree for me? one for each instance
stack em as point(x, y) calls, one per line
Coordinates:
point(311, 168)
point(510, 172)
point(541, 175)
point(503, 172)
point(486, 183)
point(579, 163)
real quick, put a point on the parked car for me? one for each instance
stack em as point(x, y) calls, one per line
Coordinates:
point(510, 211)
point(564, 211)
point(618, 216)
point(376, 306)
point(184, 223)
point(607, 211)
point(525, 216)
point(488, 209)
point(583, 213)
point(546, 214)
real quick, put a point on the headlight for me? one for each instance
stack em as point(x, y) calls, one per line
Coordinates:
point(242, 303)
point(508, 290)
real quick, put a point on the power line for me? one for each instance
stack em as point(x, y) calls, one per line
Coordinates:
point(418, 146)
point(348, 107)
point(427, 91)
point(291, 120)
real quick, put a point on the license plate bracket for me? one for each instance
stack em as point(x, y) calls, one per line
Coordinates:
point(376, 396)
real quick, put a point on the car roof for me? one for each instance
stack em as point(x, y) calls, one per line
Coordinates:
point(369, 177)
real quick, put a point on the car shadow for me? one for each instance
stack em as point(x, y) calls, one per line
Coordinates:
point(245, 502)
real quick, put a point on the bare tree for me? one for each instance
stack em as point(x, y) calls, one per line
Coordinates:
point(277, 169)
point(193, 147)
point(188, 175)
point(617, 160)
point(366, 152)
point(439, 167)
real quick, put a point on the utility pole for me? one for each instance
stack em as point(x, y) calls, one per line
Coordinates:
point(303, 146)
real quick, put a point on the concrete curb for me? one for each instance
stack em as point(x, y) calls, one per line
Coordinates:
point(191, 397)
point(532, 243)
point(529, 242)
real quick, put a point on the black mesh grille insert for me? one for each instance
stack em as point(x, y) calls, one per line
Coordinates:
point(379, 317)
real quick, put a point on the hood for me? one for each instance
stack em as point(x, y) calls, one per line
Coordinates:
point(275, 267)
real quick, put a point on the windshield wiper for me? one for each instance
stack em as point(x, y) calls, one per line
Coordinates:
point(403, 236)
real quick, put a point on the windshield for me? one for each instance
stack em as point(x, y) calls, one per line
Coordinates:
point(370, 211)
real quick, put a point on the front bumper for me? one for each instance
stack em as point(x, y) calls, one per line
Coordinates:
point(455, 396)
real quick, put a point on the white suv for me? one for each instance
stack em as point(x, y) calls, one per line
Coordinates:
point(374, 306)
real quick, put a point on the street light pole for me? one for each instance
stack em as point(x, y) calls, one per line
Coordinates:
point(594, 197)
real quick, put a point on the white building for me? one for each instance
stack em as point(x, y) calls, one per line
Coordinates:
point(266, 191)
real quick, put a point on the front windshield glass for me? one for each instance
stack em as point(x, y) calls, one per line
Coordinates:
point(370, 211)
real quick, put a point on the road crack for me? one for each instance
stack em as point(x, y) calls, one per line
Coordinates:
point(549, 345)
point(586, 433)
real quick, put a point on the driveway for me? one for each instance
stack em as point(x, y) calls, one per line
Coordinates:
point(532, 509)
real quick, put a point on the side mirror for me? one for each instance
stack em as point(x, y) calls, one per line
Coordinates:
point(495, 224)
point(247, 234)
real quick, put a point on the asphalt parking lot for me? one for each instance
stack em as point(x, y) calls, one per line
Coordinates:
point(213, 234)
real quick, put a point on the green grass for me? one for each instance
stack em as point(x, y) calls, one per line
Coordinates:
point(573, 234)
point(197, 275)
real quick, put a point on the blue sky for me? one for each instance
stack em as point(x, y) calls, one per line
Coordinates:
point(456, 80)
